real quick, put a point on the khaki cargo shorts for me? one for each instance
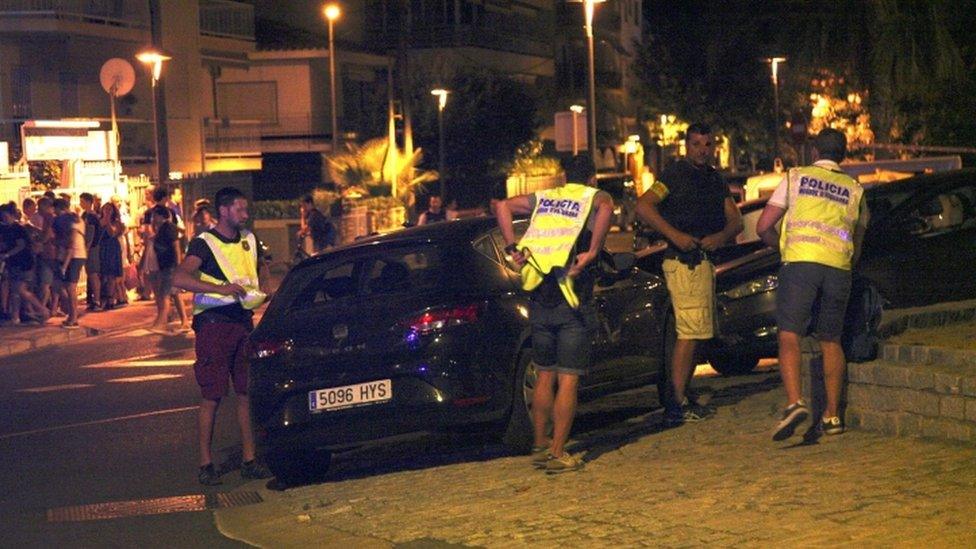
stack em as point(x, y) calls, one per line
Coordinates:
point(693, 297)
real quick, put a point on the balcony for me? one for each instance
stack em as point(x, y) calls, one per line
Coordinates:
point(298, 132)
point(226, 19)
point(132, 14)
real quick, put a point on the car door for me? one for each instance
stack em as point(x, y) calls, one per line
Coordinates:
point(923, 252)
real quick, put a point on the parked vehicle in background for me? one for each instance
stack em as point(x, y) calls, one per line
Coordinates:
point(919, 249)
point(621, 187)
point(426, 330)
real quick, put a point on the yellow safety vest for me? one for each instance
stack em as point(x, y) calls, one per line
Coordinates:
point(239, 263)
point(821, 217)
point(559, 217)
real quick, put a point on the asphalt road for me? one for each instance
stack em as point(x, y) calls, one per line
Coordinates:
point(79, 425)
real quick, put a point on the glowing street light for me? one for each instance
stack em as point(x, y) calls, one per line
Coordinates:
point(332, 12)
point(588, 8)
point(441, 95)
point(774, 63)
point(154, 59)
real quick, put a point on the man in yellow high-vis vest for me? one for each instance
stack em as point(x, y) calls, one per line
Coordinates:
point(823, 218)
point(221, 267)
point(566, 233)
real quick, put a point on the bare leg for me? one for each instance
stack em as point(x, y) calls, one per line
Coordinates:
point(834, 365)
point(205, 427)
point(247, 433)
point(180, 309)
point(542, 400)
point(682, 367)
point(72, 302)
point(95, 281)
point(162, 303)
point(789, 365)
point(563, 411)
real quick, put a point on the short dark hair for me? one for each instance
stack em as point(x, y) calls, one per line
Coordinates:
point(61, 204)
point(307, 198)
point(698, 127)
point(28, 202)
point(45, 201)
point(161, 211)
point(9, 208)
point(159, 194)
point(86, 196)
point(226, 196)
point(49, 194)
point(831, 144)
point(579, 169)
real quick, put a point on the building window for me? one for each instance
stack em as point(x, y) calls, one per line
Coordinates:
point(69, 94)
point(20, 91)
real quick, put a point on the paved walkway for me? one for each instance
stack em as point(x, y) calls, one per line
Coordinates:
point(722, 482)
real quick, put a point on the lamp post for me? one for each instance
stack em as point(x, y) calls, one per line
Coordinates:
point(332, 13)
point(774, 75)
point(153, 59)
point(576, 110)
point(441, 95)
point(588, 8)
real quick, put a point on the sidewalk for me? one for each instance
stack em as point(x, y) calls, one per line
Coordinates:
point(721, 483)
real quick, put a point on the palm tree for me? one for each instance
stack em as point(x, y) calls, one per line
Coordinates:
point(368, 165)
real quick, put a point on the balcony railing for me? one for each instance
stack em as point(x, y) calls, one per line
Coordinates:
point(223, 137)
point(225, 19)
point(118, 13)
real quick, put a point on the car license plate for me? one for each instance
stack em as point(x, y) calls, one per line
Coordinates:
point(337, 398)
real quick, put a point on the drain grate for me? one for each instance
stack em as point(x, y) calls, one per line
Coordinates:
point(119, 509)
point(237, 499)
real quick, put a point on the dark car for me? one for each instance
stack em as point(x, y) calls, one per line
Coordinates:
point(425, 330)
point(919, 249)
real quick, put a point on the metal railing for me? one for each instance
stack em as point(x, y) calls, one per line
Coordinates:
point(119, 13)
point(231, 137)
point(226, 19)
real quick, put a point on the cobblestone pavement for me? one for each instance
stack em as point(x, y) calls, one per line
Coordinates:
point(721, 482)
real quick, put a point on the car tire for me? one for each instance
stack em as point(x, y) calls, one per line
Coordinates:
point(518, 435)
point(297, 465)
point(730, 365)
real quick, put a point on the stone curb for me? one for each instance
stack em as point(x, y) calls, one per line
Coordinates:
point(897, 321)
point(15, 345)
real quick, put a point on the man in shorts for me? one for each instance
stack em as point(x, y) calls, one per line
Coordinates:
point(221, 267)
point(824, 219)
point(691, 207)
point(556, 255)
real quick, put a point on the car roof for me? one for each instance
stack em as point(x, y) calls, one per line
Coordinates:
point(919, 182)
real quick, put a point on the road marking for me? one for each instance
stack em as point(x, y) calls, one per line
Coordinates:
point(145, 360)
point(52, 388)
point(140, 379)
point(96, 422)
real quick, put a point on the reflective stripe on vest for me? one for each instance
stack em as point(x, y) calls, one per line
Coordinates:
point(239, 263)
point(559, 217)
point(821, 216)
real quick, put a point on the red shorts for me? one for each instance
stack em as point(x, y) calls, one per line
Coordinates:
point(222, 355)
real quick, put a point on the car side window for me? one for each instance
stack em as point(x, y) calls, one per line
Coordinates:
point(328, 284)
point(403, 271)
point(485, 247)
point(946, 212)
point(496, 236)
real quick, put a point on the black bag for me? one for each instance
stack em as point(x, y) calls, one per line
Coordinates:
point(861, 339)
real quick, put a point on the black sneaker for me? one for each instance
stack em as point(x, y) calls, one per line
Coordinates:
point(793, 416)
point(674, 417)
point(252, 470)
point(208, 476)
point(832, 426)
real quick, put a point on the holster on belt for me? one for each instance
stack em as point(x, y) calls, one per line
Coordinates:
point(690, 259)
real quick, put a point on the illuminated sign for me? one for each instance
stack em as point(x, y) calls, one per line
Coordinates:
point(66, 140)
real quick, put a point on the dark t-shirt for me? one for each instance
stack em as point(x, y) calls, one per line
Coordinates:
point(163, 242)
point(93, 230)
point(695, 203)
point(209, 266)
point(24, 259)
point(321, 229)
point(63, 224)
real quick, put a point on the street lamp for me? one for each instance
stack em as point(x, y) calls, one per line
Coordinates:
point(153, 59)
point(588, 7)
point(441, 95)
point(332, 13)
point(774, 74)
point(576, 110)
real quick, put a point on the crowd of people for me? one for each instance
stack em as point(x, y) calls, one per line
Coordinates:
point(48, 242)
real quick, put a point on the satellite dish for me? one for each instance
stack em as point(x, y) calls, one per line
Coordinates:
point(117, 77)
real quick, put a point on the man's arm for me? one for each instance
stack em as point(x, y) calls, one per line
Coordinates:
point(184, 278)
point(768, 221)
point(505, 211)
point(601, 225)
point(733, 226)
point(648, 212)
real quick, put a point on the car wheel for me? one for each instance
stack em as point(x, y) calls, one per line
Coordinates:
point(518, 435)
point(733, 365)
point(298, 465)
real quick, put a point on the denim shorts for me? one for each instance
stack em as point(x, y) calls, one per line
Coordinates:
point(811, 297)
point(562, 338)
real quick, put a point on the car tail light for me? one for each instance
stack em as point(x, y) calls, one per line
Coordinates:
point(438, 319)
point(269, 347)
